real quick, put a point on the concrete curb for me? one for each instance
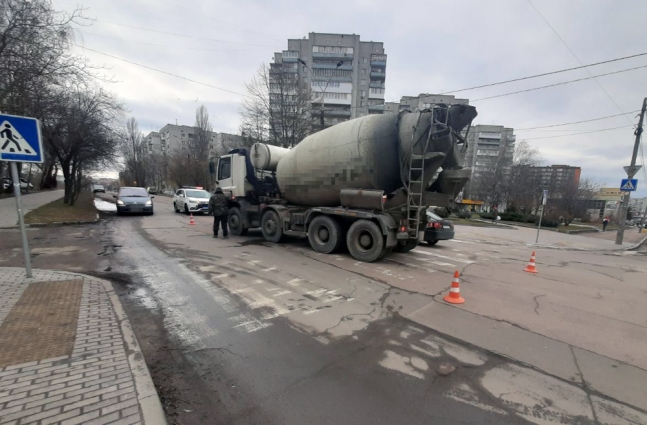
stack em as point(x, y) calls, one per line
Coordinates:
point(638, 245)
point(151, 407)
point(59, 223)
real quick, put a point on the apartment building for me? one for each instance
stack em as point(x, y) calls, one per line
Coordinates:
point(347, 76)
point(489, 147)
point(422, 101)
point(554, 177)
point(181, 138)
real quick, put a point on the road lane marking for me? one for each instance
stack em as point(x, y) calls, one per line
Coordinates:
point(295, 282)
point(433, 254)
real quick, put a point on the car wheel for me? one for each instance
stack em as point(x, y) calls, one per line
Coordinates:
point(272, 227)
point(325, 234)
point(405, 246)
point(365, 241)
point(186, 210)
point(432, 243)
point(235, 222)
point(177, 210)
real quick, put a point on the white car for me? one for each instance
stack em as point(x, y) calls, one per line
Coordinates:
point(191, 201)
point(24, 184)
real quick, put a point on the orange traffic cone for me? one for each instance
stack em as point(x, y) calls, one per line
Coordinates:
point(530, 268)
point(192, 221)
point(454, 295)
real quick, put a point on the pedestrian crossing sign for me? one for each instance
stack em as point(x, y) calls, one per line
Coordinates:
point(20, 139)
point(628, 185)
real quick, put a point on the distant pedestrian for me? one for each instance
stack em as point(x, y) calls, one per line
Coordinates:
point(605, 223)
point(219, 206)
point(495, 214)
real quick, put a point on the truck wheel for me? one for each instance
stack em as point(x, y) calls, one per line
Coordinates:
point(235, 222)
point(325, 234)
point(405, 246)
point(271, 226)
point(365, 241)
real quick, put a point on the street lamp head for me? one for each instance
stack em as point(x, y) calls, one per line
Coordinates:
point(301, 61)
point(340, 63)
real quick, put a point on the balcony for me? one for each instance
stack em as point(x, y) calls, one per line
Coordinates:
point(378, 75)
point(376, 108)
point(375, 85)
point(346, 66)
point(290, 56)
point(378, 61)
point(333, 56)
point(338, 113)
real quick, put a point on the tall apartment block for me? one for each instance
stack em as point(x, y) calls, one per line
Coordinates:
point(421, 101)
point(347, 76)
point(556, 177)
point(181, 138)
point(489, 146)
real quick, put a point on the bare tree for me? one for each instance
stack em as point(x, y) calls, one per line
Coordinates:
point(133, 152)
point(571, 200)
point(523, 187)
point(278, 107)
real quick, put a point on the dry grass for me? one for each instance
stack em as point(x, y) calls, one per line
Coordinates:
point(57, 211)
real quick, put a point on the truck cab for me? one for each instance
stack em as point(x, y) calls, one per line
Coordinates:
point(231, 174)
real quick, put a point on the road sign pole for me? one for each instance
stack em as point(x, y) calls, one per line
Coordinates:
point(541, 215)
point(625, 201)
point(21, 220)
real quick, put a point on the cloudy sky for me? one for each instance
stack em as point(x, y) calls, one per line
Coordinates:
point(433, 46)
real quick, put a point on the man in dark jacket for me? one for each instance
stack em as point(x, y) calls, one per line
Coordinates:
point(219, 206)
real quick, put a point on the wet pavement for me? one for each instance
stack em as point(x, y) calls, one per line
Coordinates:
point(242, 331)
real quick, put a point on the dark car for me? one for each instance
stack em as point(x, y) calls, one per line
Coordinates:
point(135, 200)
point(438, 229)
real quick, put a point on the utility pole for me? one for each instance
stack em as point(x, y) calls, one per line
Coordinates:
point(630, 173)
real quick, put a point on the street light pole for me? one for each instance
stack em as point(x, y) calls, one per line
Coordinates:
point(627, 197)
point(323, 93)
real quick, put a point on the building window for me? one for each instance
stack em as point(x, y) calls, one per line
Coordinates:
point(362, 82)
point(364, 71)
point(363, 60)
point(363, 93)
point(361, 103)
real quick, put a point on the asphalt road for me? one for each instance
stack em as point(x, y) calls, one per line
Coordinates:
point(242, 331)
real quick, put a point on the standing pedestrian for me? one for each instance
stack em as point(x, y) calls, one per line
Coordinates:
point(219, 206)
point(605, 223)
point(495, 214)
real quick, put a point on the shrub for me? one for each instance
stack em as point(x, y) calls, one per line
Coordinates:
point(441, 212)
point(486, 215)
point(549, 222)
point(464, 214)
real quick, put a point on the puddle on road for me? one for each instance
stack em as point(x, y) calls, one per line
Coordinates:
point(105, 206)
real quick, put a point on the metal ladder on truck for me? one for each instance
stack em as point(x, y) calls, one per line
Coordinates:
point(414, 187)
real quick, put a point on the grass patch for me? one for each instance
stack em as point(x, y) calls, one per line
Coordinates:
point(474, 223)
point(57, 211)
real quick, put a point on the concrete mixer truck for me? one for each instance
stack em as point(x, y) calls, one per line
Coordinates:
point(364, 184)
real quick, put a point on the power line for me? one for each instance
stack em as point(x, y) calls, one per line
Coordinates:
point(593, 77)
point(578, 134)
point(160, 45)
point(546, 73)
point(184, 35)
point(162, 72)
point(576, 58)
point(576, 122)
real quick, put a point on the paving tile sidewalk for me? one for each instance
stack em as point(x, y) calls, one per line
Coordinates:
point(8, 214)
point(68, 354)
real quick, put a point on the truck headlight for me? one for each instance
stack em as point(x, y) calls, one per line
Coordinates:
point(120, 202)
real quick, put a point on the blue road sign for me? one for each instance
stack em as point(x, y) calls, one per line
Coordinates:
point(628, 185)
point(20, 139)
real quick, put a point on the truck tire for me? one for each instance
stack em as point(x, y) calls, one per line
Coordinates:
point(272, 227)
point(325, 234)
point(365, 241)
point(405, 246)
point(235, 222)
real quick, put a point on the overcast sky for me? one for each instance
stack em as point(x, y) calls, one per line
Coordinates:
point(434, 46)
